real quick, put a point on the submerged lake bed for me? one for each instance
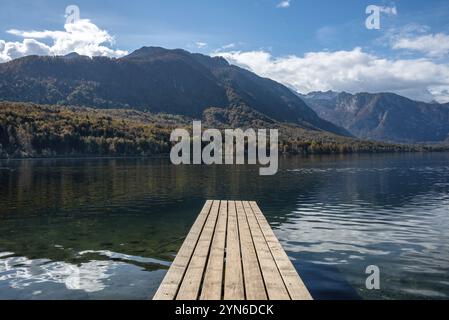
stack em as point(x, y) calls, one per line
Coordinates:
point(109, 228)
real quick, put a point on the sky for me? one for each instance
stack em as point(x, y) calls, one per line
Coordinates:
point(308, 45)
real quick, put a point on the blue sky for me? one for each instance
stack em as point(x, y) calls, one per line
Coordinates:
point(306, 25)
point(259, 35)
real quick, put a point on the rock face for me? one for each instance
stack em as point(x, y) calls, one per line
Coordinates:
point(153, 79)
point(383, 116)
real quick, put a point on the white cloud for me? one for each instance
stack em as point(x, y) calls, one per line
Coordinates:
point(13, 50)
point(433, 45)
point(201, 45)
point(82, 37)
point(417, 38)
point(392, 11)
point(351, 71)
point(284, 4)
point(228, 46)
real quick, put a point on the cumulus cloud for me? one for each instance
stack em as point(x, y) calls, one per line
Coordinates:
point(82, 36)
point(351, 71)
point(433, 45)
point(284, 4)
point(13, 50)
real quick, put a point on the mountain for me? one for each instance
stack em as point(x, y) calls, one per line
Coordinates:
point(383, 116)
point(153, 79)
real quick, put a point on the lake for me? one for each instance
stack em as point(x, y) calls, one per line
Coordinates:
point(109, 228)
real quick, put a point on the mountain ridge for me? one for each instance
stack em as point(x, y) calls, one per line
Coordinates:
point(153, 79)
point(383, 116)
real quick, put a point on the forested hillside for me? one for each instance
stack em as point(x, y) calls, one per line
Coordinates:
point(30, 130)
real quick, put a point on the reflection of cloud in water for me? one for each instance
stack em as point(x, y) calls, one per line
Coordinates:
point(5, 254)
point(21, 272)
point(364, 230)
point(89, 277)
point(125, 257)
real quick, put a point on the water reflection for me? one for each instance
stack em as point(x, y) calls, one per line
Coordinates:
point(24, 277)
point(90, 228)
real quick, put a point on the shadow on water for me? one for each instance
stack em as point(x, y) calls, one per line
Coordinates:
point(108, 228)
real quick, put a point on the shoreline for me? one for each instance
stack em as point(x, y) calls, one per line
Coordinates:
point(167, 156)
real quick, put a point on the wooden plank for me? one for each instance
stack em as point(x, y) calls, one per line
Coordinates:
point(292, 280)
point(233, 288)
point(254, 285)
point(272, 278)
point(231, 252)
point(190, 286)
point(213, 279)
point(171, 283)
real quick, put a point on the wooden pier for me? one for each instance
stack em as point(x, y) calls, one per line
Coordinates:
point(231, 253)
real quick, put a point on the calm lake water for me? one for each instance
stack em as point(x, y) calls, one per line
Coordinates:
point(109, 228)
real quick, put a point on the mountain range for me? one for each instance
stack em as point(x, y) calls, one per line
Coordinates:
point(157, 80)
point(176, 82)
point(383, 116)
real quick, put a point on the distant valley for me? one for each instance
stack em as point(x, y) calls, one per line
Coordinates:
point(383, 116)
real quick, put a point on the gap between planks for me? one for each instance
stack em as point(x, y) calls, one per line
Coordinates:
point(232, 253)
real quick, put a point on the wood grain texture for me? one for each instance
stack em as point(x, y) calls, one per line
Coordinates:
point(274, 283)
point(213, 279)
point(233, 288)
point(190, 286)
point(232, 253)
point(254, 284)
point(292, 281)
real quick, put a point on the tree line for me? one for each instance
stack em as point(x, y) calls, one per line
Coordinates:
point(30, 130)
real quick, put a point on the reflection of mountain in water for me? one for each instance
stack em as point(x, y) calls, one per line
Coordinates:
point(332, 214)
